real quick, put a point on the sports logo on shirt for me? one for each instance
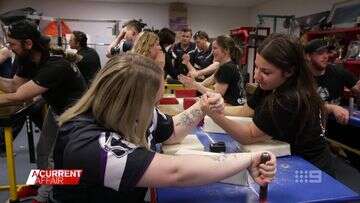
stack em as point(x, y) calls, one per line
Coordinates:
point(112, 142)
point(323, 93)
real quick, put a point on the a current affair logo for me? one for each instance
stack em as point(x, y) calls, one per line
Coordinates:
point(54, 177)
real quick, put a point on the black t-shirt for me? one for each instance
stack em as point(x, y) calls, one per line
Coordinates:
point(178, 52)
point(331, 84)
point(64, 82)
point(229, 73)
point(89, 65)
point(201, 59)
point(169, 63)
point(161, 128)
point(111, 165)
point(283, 123)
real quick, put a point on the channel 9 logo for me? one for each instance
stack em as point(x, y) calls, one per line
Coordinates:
point(308, 176)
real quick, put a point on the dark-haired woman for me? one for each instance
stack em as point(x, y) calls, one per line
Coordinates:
point(285, 106)
point(228, 80)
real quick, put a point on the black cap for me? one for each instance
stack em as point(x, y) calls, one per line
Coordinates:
point(316, 45)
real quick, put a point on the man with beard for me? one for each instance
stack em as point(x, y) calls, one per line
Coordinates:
point(331, 79)
point(40, 74)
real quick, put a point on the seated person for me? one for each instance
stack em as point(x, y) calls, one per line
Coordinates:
point(228, 80)
point(38, 73)
point(199, 62)
point(103, 136)
point(125, 40)
point(148, 44)
point(285, 106)
point(185, 46)
point(166, 40)
point(331, 79)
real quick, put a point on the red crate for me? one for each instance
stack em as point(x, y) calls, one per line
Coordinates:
point(170, 100)
point(188, 102)
point(185, 93)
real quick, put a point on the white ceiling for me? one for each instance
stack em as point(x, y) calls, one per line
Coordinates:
point(225, 3)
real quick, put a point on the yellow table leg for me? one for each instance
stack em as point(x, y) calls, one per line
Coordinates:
point(10, 164)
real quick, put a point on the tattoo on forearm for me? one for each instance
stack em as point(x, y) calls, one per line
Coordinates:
point(186, 120)
point(219, 158)
point(223, 157)
point(196, 113)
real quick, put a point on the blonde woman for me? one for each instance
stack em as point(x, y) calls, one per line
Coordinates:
point(104, 134)
point(148, 44)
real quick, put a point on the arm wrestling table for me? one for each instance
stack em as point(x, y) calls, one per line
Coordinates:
point(296, 181)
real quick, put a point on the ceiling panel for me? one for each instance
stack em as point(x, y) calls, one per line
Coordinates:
point(225, 3)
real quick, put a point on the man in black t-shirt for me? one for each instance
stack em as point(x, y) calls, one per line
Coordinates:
point(40, 74)
point(89, 65)
point(201, 58)
point(331, 79)
point(185, 46)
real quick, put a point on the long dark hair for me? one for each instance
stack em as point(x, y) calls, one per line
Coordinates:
point(288, 55)
point(228, 44)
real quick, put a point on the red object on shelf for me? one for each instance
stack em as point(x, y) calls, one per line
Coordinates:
point(188, 102)
point(244, 34)
point(185, 93)
point(170, 100)
point(51, 29)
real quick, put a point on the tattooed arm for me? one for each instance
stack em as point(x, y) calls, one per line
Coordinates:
point(165, 170)
point(186, 121)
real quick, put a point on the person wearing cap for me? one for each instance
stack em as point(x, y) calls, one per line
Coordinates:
point(330, 78)
point(125, 40)
point(89, 65)
point(200, 62)
point(40, 74)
